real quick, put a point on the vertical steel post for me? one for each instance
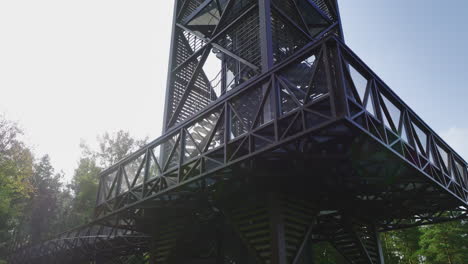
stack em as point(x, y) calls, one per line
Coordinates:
point(379, 247)
point(338, 17)
point(278, 242)
point(147, 171)
point(266, 42)
point(335, 72)
point(220, 245)
point(266, 49)
point(169, 68)
point(227, 130)
point(152, 249)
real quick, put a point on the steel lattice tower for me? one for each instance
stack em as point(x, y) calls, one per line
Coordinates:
point(276, 137)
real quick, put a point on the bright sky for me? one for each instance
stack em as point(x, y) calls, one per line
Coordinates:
point(71, 70)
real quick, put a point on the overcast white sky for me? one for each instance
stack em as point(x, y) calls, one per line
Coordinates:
point(71, 70)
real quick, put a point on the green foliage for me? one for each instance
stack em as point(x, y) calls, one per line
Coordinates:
point(445, 243)
point(44, 206)
point(64, 208)
point(390, 250)
point(325, 253)
point(34, 203)
point(112, 148)
point(15, 169)
point(401, 246)
point(84, 185)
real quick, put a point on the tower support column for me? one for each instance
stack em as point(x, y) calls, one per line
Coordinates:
point(278, 243)
point(266, 41)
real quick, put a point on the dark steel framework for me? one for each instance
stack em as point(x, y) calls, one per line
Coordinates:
point(277, 137)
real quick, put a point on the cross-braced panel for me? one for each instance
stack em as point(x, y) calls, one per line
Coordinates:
point(301, 96)
point(217, 46)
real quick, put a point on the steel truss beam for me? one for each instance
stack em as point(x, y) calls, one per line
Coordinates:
point(198, 161)
point(87, 243)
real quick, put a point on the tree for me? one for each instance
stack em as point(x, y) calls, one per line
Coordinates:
point(44, 203)
point(390, 249)
point(445, 243)
point(112, 148)
point(84, 185)
point(16, 162)
point(65, 207)
point(401, 246)
point(324, 253)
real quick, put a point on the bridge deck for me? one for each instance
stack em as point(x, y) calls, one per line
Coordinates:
point(83, 244)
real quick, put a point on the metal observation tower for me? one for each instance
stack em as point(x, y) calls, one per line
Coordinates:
point(276, 137)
